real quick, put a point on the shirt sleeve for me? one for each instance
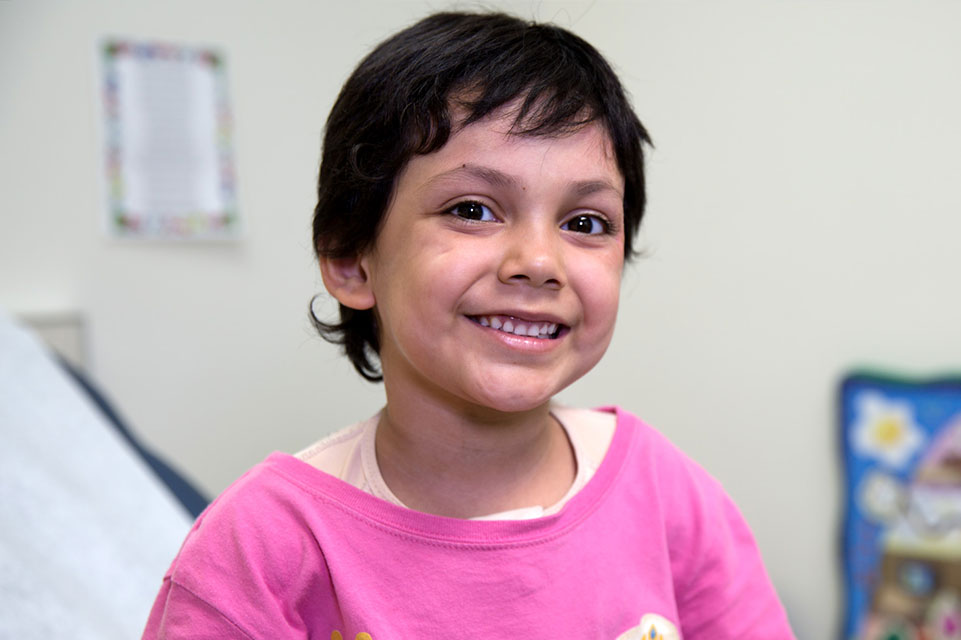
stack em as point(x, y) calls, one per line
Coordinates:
point(180, 613)
point(721, 586)
point(249, 569)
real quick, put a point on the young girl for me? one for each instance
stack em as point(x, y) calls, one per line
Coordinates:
point(480, 188)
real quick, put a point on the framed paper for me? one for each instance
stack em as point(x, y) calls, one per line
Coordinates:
point(168, 142)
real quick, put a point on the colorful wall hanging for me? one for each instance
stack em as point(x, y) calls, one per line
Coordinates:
point(168, 142)
point(901, 442)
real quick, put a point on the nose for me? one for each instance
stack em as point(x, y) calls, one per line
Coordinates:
point(533, 257)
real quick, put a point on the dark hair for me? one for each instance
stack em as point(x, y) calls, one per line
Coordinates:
point(396, 104)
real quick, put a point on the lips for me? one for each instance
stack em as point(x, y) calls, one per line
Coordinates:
point(520, 327)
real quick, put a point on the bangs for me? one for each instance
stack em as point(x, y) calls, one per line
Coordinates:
point(547, 75)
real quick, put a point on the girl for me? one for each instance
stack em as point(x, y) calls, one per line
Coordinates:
point(480, 189)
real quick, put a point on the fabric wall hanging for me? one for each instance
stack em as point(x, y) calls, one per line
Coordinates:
point(901, 443)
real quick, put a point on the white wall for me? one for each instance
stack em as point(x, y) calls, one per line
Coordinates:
point(804, 219)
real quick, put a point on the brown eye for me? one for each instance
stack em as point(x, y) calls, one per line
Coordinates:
point(472, 210)
point(585, 224)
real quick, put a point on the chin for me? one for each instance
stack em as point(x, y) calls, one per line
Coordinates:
point(514, 400)
point(516, 405)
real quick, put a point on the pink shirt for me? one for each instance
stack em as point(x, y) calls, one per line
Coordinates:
point(651, 547)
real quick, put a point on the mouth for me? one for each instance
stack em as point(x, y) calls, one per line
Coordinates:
point(520, 327)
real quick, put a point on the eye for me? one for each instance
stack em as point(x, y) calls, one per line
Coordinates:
point(592, 225)
point(472, 210)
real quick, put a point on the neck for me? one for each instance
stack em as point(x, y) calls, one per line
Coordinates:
point(466, 461)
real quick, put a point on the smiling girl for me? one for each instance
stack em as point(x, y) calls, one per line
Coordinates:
point(480, 188)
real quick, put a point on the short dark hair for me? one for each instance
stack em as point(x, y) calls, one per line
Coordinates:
point(397, 104)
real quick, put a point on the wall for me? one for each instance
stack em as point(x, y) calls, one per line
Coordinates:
point(803, 219)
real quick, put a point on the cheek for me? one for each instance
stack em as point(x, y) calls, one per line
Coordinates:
point(602, 311)
point(424, 283)
point(600, 289)
point(447, 267)
point(457, 264)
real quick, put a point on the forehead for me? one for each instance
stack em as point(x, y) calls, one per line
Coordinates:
point(530, 121)
point(501, 143)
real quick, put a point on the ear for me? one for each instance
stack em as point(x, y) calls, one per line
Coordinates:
point(347, 279)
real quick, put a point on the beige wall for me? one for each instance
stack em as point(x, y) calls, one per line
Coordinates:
point(805, 216)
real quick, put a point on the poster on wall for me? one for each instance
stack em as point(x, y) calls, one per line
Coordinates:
point(168, 142)
point(902, 522)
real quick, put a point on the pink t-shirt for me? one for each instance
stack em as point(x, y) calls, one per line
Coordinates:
point(651, 547)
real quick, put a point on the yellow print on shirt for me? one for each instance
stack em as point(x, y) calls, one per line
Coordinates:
point(651, 627)
point(337, 635)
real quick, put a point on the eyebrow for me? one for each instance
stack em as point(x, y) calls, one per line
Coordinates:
point(587, 187)
point(497, 178)
point(493, 177)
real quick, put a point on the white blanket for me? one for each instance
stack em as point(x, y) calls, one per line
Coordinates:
point(86, 529)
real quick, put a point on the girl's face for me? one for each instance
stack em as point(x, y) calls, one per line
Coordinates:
point(496, 273)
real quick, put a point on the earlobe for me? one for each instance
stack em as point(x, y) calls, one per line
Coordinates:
point(347, 279)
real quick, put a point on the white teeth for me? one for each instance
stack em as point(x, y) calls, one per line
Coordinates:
point(518, 327)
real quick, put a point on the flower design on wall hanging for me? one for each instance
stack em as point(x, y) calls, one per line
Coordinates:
point(885, 429)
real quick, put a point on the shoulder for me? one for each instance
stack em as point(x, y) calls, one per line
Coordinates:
point(685, 491)
point(252, 554)
point(721, 585)
point(650, 453)
point(262, 490)
point(244, 526)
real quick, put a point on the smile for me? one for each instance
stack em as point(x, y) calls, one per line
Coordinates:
point(518, 327)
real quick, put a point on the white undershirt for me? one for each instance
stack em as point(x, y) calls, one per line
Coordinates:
point(349, 454)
